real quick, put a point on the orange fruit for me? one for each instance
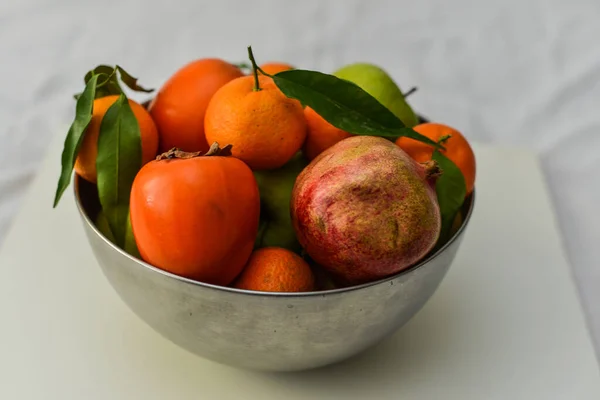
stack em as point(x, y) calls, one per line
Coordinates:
point(179, 106)
point(196, 217)
point(85, 164)
point(265, 127)
point(272, 68)
point(458, 149)
point(275, 269)
point(321, 134)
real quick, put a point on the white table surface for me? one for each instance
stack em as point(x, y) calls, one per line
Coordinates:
point(505, 323)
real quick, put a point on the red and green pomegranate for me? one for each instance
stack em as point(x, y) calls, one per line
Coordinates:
point(364, 209)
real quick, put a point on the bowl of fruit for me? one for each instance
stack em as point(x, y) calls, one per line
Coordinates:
point(265, 216)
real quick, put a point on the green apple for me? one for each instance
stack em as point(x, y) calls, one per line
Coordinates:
point(375, 81)
point(275, 188)
point(104, 228)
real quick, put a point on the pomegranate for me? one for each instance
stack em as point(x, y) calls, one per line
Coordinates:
point(364, 209)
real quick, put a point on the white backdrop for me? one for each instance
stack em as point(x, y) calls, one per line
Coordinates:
point(509, 72)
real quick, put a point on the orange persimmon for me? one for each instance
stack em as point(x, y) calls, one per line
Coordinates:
point(178, 108)
point(196, 215)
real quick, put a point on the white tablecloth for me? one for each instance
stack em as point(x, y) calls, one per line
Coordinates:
point(510, 72)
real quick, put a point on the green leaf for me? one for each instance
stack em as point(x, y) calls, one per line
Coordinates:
point(118, 161)
point(110, 85)
point(344, 104)
point(348, 106)
point(104, 227)
point(100, 69)
point(83, 116)
point(451, 191)
point(131, 82)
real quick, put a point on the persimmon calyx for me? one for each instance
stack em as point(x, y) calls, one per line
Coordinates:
point(214, 150)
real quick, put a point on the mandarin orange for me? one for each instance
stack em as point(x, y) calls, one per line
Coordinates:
point(265, 127)
point(321, 134)
point(458, 149)
point(275, 269)
point(272, 68)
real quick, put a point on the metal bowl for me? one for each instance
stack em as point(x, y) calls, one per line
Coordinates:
point(259, 330)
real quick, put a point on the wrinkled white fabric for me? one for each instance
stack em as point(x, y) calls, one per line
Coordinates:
point(511, 72)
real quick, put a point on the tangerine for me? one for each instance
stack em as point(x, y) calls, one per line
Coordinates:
point(265, 127)
point(272, 68)
point(321, 134)
point(85, 164)
point(179, 106)
point(275, 269)
point(458, 149)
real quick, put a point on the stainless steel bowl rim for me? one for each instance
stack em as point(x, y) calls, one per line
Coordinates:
point(269, 294)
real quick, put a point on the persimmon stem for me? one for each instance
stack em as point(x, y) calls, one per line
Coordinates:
point(214, 150)
point(254, 69)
